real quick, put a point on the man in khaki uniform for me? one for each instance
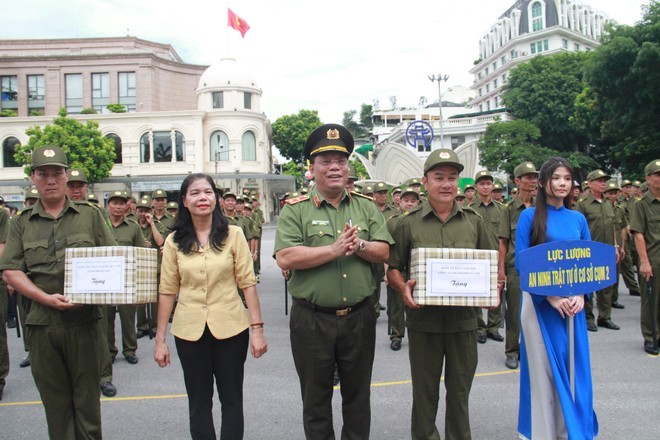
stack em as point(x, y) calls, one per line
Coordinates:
point(328, 240)
point(379, 196)
point(627, 199)
point(526, 179)
point(645, 225)
point(63, 337)
point(439, 336)
point(490, 211)
point(621, 228)
point(601, 219)
point(159, 202)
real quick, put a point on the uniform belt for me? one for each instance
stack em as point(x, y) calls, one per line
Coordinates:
point(337, 311)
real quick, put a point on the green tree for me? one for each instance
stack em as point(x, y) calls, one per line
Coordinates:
point(360, 171)
point(543, 92)
point(623, 75)
point(291, 131)
point(351, 124)
point(8, 113)
point(116, 108)
point(296, 170)
point(83, 144)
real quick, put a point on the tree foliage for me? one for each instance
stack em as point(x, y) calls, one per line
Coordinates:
point(362, 127)
point(623, 76)
point(293, 169)
point(360, 171)
point(83, 144)
point(291, 131)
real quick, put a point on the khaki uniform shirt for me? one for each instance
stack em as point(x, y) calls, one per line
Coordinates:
point(207, 283)
point(36, 245)
point(167, 220)
point(422, 228)
point(150, 242)
point(312, 221)
point(507, 228)
point(128, 233)
point(645, 219)
point(389, 212)
point(244, 224)
point(4, 225)
point(492, 214)
point(600, 217)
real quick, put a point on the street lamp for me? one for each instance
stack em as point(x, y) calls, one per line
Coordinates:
point(440, 78)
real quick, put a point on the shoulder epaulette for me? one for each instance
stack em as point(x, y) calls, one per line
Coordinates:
point(471, 210)
point(29, 208)
point(295, 200)
point(353, 193)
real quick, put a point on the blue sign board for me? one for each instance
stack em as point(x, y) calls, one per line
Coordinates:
point(571, 267)
point(419, 132)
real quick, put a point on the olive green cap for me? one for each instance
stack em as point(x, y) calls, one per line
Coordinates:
point(626, 182)
point(159, 194)
point(31, 193)
point(172, 205)
point(247, 207)
point(49, 155)
point(77, 175)
point(247, 199)
point(637, 183)
point(612, 185)
point(351, 172)
point(380, 186)
point(483, 174)
point(468, 186)
point(585, 185)
point(144, 202)
point(652, 167)
point(644, 186)
point(523, 169)
point(396, 189)
point(410, 190)
point(597, 174)
point(228, 194)
point(117, 195)
point(369, 189)
point(411, 182)
point(304, 190)
point(459, 194)
point(497, 187)
point(442, 157)
point(576, 184)
point(91, 197)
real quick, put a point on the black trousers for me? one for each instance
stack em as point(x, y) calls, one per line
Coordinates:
point(202, 361)
point(318, 342)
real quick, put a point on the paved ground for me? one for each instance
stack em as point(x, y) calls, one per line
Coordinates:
point(151, 402)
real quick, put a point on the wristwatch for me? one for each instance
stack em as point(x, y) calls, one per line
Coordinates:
point(362, 246)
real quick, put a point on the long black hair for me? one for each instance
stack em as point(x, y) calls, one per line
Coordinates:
point(184, 231)
point(541, 210)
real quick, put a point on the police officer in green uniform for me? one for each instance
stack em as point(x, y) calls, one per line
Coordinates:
point(127, 233)
point(63, 337)
point(621, 229)
point(172, 208)
point(259, 219)
point(154, 234)
point(491, 211)
point(395, 308)
point(379, 195)
point(439, 335)
point(526, 178)
point(328, 240)
point(4, 351)
point(645, 225)
point(159, 202)
point(601, 219)
point(627, 199)
point(229, 208)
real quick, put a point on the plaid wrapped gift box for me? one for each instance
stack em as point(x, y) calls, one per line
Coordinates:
point(418, 272)
point(139, 273)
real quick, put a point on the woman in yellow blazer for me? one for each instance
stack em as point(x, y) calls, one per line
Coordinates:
point(205, 262)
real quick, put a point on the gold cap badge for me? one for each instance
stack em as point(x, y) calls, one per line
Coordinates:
point(75, 173)
point(333, 133)
point(49, 153)
point(444, 155)
point(529, 165)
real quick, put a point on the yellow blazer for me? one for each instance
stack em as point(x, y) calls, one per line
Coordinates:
point(207, 283)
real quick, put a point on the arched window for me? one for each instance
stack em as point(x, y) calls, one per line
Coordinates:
point(249, 145)
point(8, 149)
point(537, 16)
point(219, 146)
point(161, 146)
point(117, 140)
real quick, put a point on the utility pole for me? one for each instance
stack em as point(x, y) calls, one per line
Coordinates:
point(440, 78)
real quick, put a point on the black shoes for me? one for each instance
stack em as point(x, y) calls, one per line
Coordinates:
point(335, 377)
point(380, 306)
point(25, 362)
point(650, 349)
point(511, 361)
point(142, 333)
point(395, 345)
point(607, 323)
point(634, 293)
point(11, 322)
point(591, 326)
point(481, 338)
point(616, 305)
point(131, 359)
point(495, 336)
point(108, 389)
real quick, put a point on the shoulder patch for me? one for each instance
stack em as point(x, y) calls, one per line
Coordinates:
point(295, 200)
point(353, 193)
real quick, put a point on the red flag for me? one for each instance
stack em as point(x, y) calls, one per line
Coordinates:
point(237, 23)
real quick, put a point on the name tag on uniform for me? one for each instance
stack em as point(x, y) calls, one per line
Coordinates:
point(320, 222)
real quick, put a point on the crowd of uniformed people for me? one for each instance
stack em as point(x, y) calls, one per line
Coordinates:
point(335, 243)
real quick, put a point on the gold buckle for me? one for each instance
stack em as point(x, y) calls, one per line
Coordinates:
point(343, 312)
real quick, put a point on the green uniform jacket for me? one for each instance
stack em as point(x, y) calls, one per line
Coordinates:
point(492, 215)
point(508, 224)
point(167, 220)
point(128, 233)
point(422, 228)
point(36, 245)
point(311, 221)
point(600, 217)
point(645, 220)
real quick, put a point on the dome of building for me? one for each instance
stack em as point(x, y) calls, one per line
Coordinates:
point(226, 73)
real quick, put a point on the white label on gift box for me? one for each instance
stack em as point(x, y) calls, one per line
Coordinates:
point(456, 277)
point(98, 275)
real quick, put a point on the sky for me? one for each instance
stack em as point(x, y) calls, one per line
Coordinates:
point(325, 55)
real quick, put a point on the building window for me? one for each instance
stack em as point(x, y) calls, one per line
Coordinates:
point(577, 47)
point(8, 150)
point(36, 95)
point(100, 91)
point(545, 45)
point(532, 48)
point(160, 143)
point(564, 43)
point(497, 101)
point(503, 60)
point(117, 140)
point(495, 83)
point(457, 141)
point(249, 146)
point(479, 76)
point(127, 91)
point(537, 16)
point(488, 105)
point(487, 87)
point(486, 71)
point(219, 146)
point(247, 100)
point(494, 66)
point(9, 87)
point(481, 107)
point(514, 54)
point(73, 84)
point(480, 94)
point(503, 78)
point(218, 100)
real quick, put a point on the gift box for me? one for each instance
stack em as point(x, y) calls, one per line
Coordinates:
point(111, 275)
point(454, 277)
